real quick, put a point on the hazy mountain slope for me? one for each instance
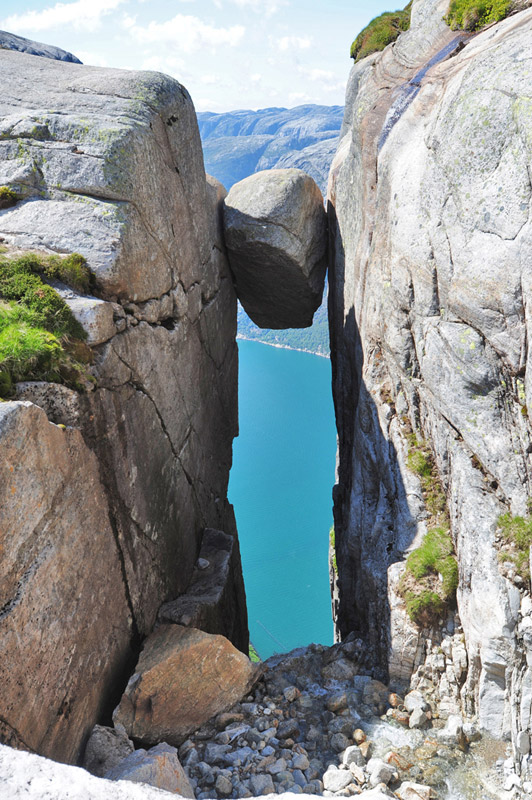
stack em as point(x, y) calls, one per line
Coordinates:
point(238, 143)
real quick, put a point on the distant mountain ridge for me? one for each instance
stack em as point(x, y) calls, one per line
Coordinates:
point(239, 143)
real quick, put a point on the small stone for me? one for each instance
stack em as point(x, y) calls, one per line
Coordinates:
point(339, 742)
point(300, 761)
point(291, 693)
point(365, 749)
point(395, 700)
point(299, 778)
point(261, 784)
point(380, 772)
point(418, 719)
point(358, 774)
point(287, 729)
point(414, 791)
point(215, 753)
point(359, 736)
point(223, 786)
point(106, 748)
point(415, 700)
point(353, 755)
point(337, 702)
point(277, 766)
point(285, 778)
point(334, 780)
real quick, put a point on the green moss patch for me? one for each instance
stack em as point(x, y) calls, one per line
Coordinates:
point(8, 198)
point(332, 542)
point(517, 535)
point(421, 462)
point(253, 655)
point(381, 32)
point(430, 580)
point(40, 339)
point(471, 15)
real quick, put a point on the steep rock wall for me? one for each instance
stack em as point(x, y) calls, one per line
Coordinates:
point(108, 163)
point(429, 199)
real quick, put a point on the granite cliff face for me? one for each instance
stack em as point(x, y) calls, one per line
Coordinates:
point(103, 521)
point(429, 202)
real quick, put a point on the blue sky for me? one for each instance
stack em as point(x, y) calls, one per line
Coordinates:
point(228, 53)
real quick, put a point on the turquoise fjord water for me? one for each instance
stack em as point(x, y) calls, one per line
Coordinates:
point(281, 483)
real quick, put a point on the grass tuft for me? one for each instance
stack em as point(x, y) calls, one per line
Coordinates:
point(40, 339)
point(430, 579)
point(471, 15)
point(381, 31)
point(517, 532)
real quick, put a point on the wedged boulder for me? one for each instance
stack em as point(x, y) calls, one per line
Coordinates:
point(183, 678)
point(159, 767)
point(276, 236)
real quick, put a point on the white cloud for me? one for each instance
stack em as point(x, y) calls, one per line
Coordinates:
point(317, 74)
point(265, 7)
point(294, 43)
point(94, 59)
point(186, 32)
point(255, 78)
point(82, 14)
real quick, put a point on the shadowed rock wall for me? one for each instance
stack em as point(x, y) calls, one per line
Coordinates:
point(430, 333)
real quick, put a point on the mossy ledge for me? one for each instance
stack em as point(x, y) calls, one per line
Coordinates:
point(381, 31)
point(472, 15)
point(39, 337)
point(430, 580)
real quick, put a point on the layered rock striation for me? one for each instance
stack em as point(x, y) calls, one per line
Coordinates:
point(104, 520)
point(429, 202)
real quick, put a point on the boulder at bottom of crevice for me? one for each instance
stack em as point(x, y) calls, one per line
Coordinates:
point(183, 678)
point(159, 767)
point(275, 231)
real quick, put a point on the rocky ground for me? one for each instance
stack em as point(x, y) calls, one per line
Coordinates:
point(314, 725)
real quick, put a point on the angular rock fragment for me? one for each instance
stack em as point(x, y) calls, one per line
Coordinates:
point(159, 767)
point(276, 236)
point(106, 748)
point(210, 602)
point(183, 678)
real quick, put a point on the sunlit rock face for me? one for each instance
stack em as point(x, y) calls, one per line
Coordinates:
point(429, 207)
point(108, 163)
point(276, 235)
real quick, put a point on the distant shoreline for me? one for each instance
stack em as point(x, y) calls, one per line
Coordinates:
point(283, 346)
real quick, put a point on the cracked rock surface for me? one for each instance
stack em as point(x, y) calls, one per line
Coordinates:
point(108, 163)
point(430, 298)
